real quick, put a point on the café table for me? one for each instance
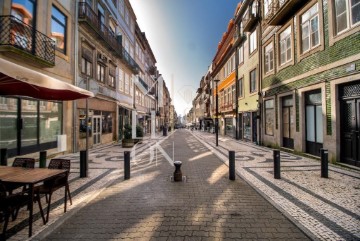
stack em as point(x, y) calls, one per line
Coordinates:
point(30, 177)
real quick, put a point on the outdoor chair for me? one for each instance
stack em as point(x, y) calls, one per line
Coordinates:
point(50, 186)
point(10, 205)
point(20, 162)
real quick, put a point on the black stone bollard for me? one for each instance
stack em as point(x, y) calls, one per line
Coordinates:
point(232, 165)
point(3, 156)
point(126, 165)
point(276, 164)
point(83, 163)
point(164, 131)
point(324, 163)
point(177, 173)
point(42, 160)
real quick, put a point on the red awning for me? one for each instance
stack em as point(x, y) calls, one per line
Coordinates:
point(21, 81)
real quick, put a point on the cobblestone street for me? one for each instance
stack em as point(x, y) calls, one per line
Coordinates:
point(207, 205)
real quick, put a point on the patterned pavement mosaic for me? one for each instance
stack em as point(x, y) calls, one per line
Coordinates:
point(325, 208)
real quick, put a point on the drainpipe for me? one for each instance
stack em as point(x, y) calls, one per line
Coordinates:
point(236, 92)
point(260, 73)
point(76, 36)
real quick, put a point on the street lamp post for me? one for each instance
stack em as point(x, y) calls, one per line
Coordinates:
point(217, 113)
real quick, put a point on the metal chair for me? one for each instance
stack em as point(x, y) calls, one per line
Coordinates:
point(20, 162)
point(50, 186)
point(9, 205)
point(24, 162)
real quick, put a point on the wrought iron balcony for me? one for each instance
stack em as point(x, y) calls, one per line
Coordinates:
point(130, 62)
point(19, 37)
point(106, 35)
point(280, 11)
point(142, 82)
point(239, 38)
point(250, 20)
point(90, 18)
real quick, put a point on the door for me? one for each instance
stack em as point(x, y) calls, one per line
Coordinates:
point(314, 122)
point(254, 126)
point(240, 125)
point(287, 122)
point(350, 126)
point(96, 130)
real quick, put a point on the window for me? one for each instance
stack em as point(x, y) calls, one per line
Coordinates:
point(121, 7)
point(24, 10)
point(58, 29)
point(107, 122)
point(100, 73)
point(269, 117)
point(285, 46)
point(241, 54)
point(127, 83)
point(112, 28)
point(266, 7)
point(127, 18)
point(233, 94)
point(86, 67)
point(241, 86)
point(253, 81)
point(253, 40)
point(310, 35)
point(269, 57)
point(111, 81)
point(347, 14)
point(121, 80)
point(131, 81)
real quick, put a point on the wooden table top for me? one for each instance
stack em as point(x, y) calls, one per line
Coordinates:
point(27, 175)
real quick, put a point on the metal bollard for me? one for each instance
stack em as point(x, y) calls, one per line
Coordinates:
point(83, 163)
point(126, 165)
point(42, 160)
point(324, 163)
point(3, 156)
point(232, 165)
point(177, 173)
point(276, 155)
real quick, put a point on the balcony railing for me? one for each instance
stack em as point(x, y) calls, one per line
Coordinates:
point(130, 62)
point(249, 20)
point(142, 82)
point(17, 36)
point(88, 16)
point(280, 11)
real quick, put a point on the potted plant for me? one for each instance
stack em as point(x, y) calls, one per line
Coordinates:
point(128, 141)
point(139, 133)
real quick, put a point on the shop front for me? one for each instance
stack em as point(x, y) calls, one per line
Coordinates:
point(100, 123)
point(29, 125)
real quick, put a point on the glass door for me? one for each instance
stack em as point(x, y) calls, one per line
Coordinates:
point(314, 122)
point(287, 122)
point(28, 124)
point(96, 130)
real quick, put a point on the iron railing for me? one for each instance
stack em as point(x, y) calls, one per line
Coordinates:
point(91, 18)
point(17, 34)
point(274, 6)
point(143, 83)
point(130, 61)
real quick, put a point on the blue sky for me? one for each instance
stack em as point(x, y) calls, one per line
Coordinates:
point(183, 35)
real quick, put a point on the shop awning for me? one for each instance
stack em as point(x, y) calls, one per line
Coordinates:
point(21, 81)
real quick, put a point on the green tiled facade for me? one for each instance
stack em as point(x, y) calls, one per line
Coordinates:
point(327, 68)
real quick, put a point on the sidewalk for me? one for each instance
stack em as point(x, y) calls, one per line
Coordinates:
point(327, 208)
point(149, 206)
point(105, 166)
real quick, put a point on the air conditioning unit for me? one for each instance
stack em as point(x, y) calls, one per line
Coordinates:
point(102, 57)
